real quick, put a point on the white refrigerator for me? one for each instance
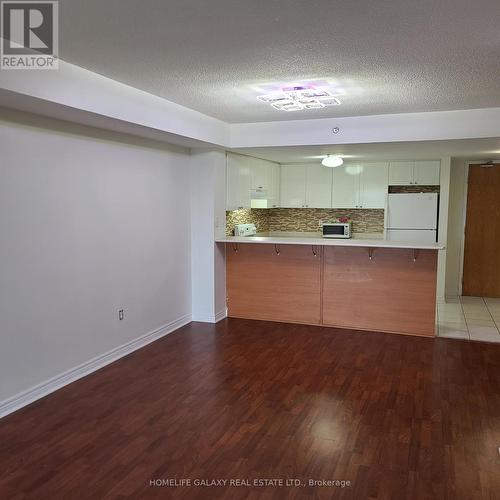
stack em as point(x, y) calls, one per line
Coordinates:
point(412, 217)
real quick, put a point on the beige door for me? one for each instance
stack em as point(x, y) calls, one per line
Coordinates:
point(482, 233)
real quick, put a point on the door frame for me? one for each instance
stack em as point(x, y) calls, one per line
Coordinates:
point(465, 192)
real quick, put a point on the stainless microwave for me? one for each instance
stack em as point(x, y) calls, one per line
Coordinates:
point(337, 230)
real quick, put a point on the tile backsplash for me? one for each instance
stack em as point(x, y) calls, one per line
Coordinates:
point(257, 216)
point(413, 189)
point(304, 219)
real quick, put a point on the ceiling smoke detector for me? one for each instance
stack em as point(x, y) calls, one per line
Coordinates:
point(299, 98)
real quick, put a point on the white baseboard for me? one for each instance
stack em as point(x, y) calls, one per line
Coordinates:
point(210, 318)
point(25, 398)
point(452, 293)
point(220, 316)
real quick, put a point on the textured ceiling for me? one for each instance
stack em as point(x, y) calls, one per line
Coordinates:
point(470, 149)
point(387, 56)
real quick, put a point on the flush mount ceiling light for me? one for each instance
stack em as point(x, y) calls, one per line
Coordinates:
point(299, 98)
point(332, 161)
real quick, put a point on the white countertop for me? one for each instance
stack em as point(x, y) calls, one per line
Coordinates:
point(372, 240)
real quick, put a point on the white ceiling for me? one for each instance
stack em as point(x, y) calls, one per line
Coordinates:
point(470, 149)
point(388, 56)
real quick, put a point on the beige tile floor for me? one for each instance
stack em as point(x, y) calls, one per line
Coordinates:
point(469, 318)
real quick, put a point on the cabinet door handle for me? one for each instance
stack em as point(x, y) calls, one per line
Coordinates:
point(314, 251)
point(235, 247)
point(276, 249)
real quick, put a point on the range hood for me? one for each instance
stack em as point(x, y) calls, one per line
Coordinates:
point(259, 198)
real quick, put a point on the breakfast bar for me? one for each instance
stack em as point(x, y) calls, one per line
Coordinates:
point(363, 284)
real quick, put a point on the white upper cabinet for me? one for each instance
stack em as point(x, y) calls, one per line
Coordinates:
point(261, 174)
point(274, 191)
point(353, 185)
point(247, 175)
point(306, 186)
point(373, 185)
point(401, 173)
point(422, 173)
point(345, 190)
point(238, 182)
point(361, 185)
point(318, 186)
point(293, 186)
point(427, 173)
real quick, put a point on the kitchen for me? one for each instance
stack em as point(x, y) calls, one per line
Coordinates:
point(297, 233)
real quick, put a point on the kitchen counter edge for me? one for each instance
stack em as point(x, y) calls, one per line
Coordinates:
point(369, 243)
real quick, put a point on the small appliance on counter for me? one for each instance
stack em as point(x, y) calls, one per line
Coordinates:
point(245, 230)
point(337, 229)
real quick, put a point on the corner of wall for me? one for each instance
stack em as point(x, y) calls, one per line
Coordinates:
point(456, 226)
point(208, 202)
point(444, 200)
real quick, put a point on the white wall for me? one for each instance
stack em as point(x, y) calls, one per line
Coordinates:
point(456, 219)
point(444, 194)
point(208, 220)
point(427, 126)
point(89, 223)
point(76, 94)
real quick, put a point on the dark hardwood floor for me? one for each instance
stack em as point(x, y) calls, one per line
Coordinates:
point(399, 417)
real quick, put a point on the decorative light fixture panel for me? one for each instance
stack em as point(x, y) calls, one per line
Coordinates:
point(299, 98)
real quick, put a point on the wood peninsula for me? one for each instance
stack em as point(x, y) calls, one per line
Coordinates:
point(375, 285)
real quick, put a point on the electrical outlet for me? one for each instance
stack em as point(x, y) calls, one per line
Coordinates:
point(121, 314)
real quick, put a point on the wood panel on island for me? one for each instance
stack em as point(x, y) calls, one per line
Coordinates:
point(378, 289)
point(274, 282)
